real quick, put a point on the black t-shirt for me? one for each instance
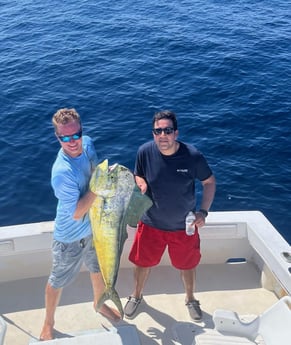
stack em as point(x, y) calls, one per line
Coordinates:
point(171, 183)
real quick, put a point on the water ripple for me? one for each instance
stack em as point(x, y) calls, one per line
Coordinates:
point(223, 66)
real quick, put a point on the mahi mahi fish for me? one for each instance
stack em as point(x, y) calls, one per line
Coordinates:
point(119, 202)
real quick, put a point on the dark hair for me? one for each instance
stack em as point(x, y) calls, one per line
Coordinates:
point(166, 114)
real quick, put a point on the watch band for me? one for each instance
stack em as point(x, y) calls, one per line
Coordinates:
point(204, 212)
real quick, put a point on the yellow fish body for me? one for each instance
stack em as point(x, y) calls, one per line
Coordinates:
point(118, 203)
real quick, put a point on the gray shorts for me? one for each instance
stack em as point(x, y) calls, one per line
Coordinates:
point(68, 259)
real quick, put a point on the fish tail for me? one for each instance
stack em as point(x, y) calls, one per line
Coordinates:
point(110, 294)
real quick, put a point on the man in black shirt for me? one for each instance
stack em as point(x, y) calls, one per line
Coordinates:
point(166, 169)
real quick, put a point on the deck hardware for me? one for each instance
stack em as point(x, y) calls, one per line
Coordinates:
point(236, 261)
point(287, 256)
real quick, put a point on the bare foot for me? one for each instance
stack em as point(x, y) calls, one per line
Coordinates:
point(46, 333)
point(110, 313)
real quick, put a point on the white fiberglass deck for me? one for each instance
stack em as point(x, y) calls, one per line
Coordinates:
point(235, 287)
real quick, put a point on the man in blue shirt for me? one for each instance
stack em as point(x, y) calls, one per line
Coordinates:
point(166, 169)
point(72, 238)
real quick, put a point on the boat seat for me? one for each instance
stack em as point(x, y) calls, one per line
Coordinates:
point(273, 327)
point(3, 328)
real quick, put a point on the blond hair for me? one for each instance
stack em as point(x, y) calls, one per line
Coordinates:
point(64, 116)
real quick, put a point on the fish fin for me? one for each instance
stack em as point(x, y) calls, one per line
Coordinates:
point(139, 203)
point(110, 294)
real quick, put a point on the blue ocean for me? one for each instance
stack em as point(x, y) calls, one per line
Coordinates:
point(223, 66)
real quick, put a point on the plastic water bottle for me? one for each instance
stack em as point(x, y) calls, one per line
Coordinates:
point(190, 229)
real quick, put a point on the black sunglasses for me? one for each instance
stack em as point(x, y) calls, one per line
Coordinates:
point(67, 138)
point(167, 130)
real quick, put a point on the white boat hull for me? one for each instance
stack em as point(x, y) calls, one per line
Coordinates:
point(242, 268)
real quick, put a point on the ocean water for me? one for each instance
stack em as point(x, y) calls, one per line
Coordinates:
point(222, 66)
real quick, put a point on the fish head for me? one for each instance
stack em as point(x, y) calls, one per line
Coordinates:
point(99, 182)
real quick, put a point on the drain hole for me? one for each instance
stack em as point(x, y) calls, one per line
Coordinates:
point(287, 256)
point(236, 261)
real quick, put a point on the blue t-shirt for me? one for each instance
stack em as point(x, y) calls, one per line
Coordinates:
point(171, 183)
point(70, 181)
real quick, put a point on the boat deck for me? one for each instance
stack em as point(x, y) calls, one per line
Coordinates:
point(162, 319)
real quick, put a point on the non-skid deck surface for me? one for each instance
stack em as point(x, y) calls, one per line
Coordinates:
point(162, 318)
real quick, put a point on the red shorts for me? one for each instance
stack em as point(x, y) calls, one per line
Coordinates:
point(150, 243)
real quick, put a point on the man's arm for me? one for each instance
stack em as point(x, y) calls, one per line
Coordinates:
point(209, 187)
point(84, 205)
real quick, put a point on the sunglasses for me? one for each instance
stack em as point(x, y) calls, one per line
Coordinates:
point(67, 138)
point(167, 130)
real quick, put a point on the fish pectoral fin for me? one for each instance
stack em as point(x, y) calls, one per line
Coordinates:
point(138, 205)
point(110, 294)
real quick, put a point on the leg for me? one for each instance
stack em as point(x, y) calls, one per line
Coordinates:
point(140, 276)
point(64, 269)
point(185, 255)
point(147, 249)
point(52, 298)
point(98, 288)
point(188, 278)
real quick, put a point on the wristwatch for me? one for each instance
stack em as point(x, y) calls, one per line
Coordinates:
point(204, 212)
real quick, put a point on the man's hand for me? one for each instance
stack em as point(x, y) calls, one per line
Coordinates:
point(141, 183)
point(200, 219)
